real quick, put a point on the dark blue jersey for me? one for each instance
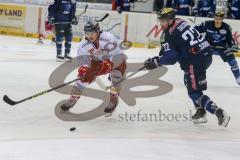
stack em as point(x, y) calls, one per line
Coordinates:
point(124, 4)
point(183, 7)
point(235, 9)
point(206, 7)
point(62, 10)
point(184, 44)
point(217, 37)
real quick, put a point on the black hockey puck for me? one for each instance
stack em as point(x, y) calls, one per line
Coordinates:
point(73, 129)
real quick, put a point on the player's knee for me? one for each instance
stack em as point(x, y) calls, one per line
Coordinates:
point(59, 39)
point(116, 76)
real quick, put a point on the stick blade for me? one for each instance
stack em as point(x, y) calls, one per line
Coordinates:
point(8, 100)
point(86, 7)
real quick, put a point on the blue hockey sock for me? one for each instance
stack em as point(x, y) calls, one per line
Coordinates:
point(234, 68)
point(201, 100)
point(207, 104)
point(67, 47)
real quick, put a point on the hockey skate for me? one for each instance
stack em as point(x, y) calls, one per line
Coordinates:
point(112, 105)
point(70, 103)
point(60, 58)
point(223, 118)
point(67, 57)
point(200, 116)
point(238, 80)
point(66, 106)
point(40, 42)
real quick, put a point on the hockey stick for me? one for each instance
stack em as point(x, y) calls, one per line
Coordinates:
point(107, 88)
point(11, 102)
point(194, 20)
point(104, 17)
point(85, 9)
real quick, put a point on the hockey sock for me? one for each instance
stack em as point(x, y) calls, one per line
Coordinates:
point(234, 68)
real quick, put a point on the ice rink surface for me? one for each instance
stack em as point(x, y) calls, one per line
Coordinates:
point(31, 130)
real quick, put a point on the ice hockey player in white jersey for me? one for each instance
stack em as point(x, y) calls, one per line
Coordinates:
point(98, 54)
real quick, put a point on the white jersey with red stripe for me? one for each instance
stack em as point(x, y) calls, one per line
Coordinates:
point(108, 46)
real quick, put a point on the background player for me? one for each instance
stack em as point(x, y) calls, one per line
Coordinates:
point(49, 30)
point(219, 35)
point(98, 54)
point(234, 9)
point(62, 15)
point(183, 7)
point(186, 45)
point(205, 8)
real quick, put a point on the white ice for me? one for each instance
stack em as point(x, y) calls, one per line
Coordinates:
point(31, 131)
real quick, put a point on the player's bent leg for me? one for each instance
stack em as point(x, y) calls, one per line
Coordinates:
point(210, 106)
point(59, 40)
point(201, 115)
point(228, 56)
point(235, 69)
point(68, 42)
point(115, 76)
point(191, 81)
point(77, 91)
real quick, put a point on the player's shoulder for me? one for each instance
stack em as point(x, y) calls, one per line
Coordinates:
point(225, 25)
point(106, 36)
point(84, 46)
point(209, 23)
point(84, 42)
point(178, 26)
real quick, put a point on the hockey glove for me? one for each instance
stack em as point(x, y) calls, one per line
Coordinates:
point(51, 20)
point(74, 20)
point(152, 63)
point(234, 48)
point(119, 9)
point(83, 73)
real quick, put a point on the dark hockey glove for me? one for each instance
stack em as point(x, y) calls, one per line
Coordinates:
point(74, 20)
point(152, 63)
point(51, 20)
point(119, 9)
point(234, 48)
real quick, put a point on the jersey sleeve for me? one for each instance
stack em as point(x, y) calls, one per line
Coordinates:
point(113, 46)
point(52, 9)
point(83, 56)
point(73, 10)
point(169, 55)
point(201, 28)
point(229, 37)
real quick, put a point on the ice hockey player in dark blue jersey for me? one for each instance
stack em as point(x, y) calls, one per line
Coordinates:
point(62, 15)
point(205, 8)
point(219, 35)
point(183, 7)
point(234, 9)
point(185, 45)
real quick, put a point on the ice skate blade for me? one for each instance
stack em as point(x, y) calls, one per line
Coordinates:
point(107, 114)
point(59, 60)
point(226, 121)
point(200, 121)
